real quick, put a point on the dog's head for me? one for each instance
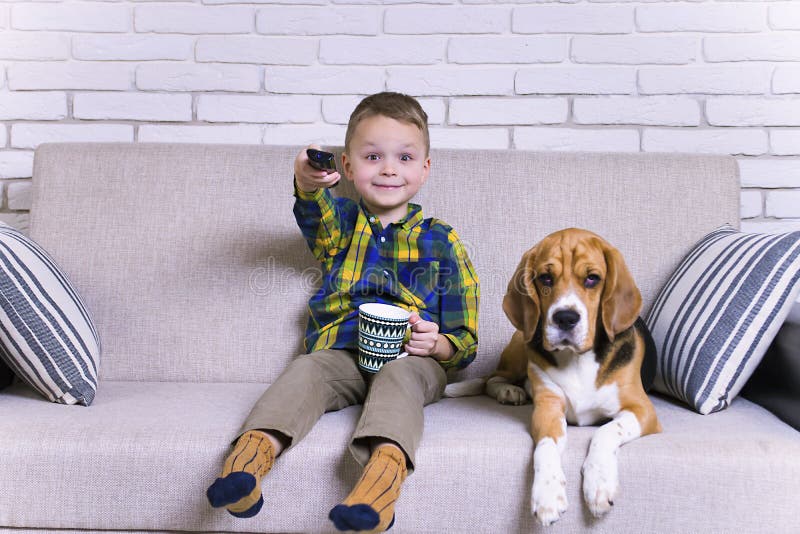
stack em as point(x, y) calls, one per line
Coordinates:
point(570, 284)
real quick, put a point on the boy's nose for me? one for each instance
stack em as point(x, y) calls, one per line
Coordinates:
point(388, 169)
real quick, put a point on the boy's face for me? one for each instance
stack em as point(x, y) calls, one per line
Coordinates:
point(388, 164)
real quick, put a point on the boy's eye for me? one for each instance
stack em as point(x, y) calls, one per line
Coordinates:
point(405, 157)
point(546, 279)
point(372, 157)
point(591, 281)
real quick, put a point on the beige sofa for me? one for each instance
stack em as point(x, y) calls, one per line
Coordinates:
point(190, 261)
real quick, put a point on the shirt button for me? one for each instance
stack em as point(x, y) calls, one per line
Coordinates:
point(372, 219)
point(383, 239)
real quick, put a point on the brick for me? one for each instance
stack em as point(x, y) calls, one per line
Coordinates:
point(451, 19)
point(15, 164)
point(470, 138)
point(48, 106)
point(745, 142)
point(198, 77)
point(278, 20)
point(634, 49)
point(573, 19)
point(87, 76)
point(446, 81)
point(37, 46)
point(19, 195)
point(783, 204)
point(501, 111)
point(652, 110)
point(514, 49)
point(705, 79)
point(304, 134)
point(750, 204)
point(325, 80)
point(747, 111)
point(785, 142)
point(576, 80)
point(575, 139)
point(77, 17)
point(289, 2)
point(736, 17)
point(337, 109)
point(4, 10)
point(257, 49)
point(766, 47)
point(270, 109)
point(769, 226)
point(786, 79)
point(393, 50)
point(770, 173)
point(133, 106)
point(32, 135)
point(132, 47)
point(239, 134)
point(784, 16)
point(194, 19)
point(3, 137)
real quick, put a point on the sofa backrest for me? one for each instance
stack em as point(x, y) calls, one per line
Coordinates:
point(189, 258)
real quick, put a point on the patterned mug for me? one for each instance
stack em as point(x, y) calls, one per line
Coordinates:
point(381, 331)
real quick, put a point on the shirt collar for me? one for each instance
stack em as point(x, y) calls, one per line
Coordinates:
point(412, 218)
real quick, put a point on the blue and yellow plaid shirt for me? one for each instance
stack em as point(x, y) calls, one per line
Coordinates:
point(417, 264)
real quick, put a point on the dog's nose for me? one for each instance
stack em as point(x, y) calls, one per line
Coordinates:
point(566, 319)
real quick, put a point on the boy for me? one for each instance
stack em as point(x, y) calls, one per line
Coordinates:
point(378, 250)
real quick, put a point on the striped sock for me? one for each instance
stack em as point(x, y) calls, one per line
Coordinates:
point(239, 486)
point(370, 506)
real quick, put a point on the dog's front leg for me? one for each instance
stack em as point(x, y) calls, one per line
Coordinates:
point(600, 472)
point(549, 431)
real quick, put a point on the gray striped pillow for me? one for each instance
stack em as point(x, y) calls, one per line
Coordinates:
point(717, 315)
point(46, 335)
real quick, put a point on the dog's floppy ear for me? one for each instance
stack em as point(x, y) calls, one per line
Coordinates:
point(621, 300)
point(521, 303)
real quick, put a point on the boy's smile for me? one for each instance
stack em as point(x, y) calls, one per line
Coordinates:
point(387, 162)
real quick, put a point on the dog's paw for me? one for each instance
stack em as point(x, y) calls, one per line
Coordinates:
point(600, 483)
point(507, 393)
point(549, 495)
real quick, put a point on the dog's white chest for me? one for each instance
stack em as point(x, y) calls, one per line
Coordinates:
point(575, 378)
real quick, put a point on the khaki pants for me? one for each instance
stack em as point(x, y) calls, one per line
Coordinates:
point(330, 380)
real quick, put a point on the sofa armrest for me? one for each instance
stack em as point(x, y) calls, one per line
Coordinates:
point(775, 384)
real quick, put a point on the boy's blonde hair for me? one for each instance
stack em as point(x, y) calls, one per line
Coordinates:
point(396, 106)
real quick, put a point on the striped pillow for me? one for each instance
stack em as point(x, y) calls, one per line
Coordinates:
point(718, 313)
point(46, 335)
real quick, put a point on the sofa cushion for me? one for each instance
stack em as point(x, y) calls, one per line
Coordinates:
point(717, 315)
point(143, 455)
point(46, 334)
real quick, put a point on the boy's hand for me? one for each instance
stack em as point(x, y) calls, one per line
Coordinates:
point(427, 341)
point(310, 179)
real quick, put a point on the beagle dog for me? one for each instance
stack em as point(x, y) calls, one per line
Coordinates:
point(587, 357)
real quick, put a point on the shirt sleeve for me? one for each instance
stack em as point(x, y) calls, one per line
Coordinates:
point(460, 292)
point(317, 215)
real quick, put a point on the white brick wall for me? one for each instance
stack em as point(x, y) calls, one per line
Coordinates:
point(706, 76)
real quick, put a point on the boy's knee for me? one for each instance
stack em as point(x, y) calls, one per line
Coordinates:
point(426, 371)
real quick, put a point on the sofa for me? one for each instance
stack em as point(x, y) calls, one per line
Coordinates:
point(196, 277)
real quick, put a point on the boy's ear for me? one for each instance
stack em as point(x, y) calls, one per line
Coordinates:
point(345, 166)
point(426, 169)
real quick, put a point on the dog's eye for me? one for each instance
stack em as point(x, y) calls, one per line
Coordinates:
point(591, 281)
point(546, 280)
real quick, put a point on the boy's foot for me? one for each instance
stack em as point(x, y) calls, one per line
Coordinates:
point(370, 506)
point(239, 486)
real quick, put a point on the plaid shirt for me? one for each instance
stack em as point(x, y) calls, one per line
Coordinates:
point(417, 264)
